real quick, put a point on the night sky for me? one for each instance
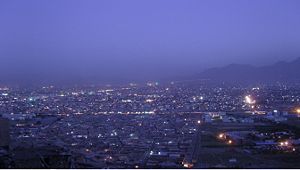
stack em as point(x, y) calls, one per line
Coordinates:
point(114, 41)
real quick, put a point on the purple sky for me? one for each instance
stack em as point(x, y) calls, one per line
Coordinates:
point(142, 39)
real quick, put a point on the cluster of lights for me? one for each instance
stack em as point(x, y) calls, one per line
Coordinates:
point(222, 136)
point(108, 158)
point(78, 113)
point(127, 101)
point(187, 165)
point(152, 84)
point(4, 88)
point(149, 100)
point(126, 113)
point(249, 100)
point(286, 143)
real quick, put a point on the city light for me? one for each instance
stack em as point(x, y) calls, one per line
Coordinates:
point(249, 100)
point(144, 119)
point(149, 100)
point(193, 85)
point(187, 165)
point(221, 135)
point(284, 143)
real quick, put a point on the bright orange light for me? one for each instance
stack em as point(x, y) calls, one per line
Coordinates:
point(221, 135)
point(187, 165)
point(298, 110)
point(230, 142)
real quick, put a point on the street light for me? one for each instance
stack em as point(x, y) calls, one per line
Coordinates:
point(221, 135)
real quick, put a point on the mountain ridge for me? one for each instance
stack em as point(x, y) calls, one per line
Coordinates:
point(282, 71)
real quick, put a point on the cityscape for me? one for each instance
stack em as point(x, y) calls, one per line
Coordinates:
point(143, 84)
point(171, 125)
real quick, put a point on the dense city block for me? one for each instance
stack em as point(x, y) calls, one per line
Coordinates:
point(171, 125)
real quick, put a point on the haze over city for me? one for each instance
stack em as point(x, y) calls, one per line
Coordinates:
point(122, 41)
point(149, 84)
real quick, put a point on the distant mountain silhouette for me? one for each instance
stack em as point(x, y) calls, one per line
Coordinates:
point(279, 72)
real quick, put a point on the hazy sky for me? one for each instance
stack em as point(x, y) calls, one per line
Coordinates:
point(114, 40)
